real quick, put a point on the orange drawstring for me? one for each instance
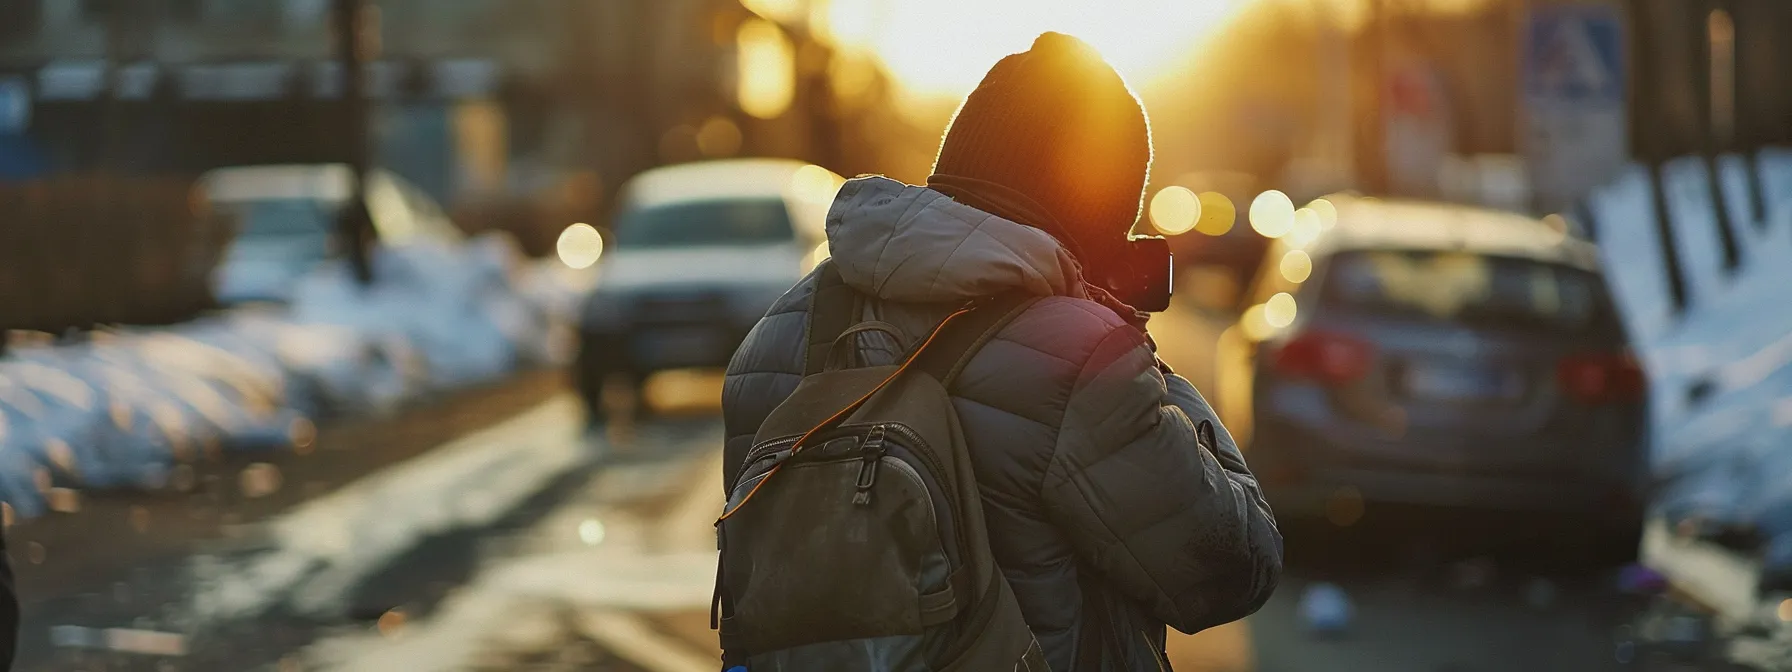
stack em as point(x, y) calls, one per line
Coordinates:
point(842, 413)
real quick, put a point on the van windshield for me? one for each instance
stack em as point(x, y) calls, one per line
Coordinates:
point(715, 222)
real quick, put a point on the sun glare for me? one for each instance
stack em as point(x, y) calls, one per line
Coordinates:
point(943, 47)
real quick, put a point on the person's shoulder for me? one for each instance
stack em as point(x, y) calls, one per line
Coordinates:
point(795, 299)
point(1070, 328)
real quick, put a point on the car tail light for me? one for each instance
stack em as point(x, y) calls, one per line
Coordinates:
point(1602, 377)
point(1328, 357)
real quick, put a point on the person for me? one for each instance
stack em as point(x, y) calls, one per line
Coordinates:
point(9, 609)
point(1108, 514)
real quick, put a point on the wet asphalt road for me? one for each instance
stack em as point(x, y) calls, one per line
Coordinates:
point(1428, 591)
point(542, 574)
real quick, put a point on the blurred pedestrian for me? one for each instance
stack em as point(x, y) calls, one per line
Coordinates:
point(9, 609)
point(1114, 500)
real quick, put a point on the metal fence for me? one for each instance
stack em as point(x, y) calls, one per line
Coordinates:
point(1709, 79)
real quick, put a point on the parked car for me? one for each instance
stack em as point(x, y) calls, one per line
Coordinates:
point(700, 251)
point(287, 217)
point(1440, 355)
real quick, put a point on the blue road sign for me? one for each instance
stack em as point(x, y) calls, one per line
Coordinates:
point(1574, 54)
point(15, 105)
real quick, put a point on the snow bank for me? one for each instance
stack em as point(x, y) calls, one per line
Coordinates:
point(1721, 371)
point(120, 409)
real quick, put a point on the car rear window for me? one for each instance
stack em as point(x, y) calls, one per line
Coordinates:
point(285, 217)
point(1468, 288)
point(719, 222)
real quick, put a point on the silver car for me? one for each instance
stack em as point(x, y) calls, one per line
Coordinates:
point(1428, 354)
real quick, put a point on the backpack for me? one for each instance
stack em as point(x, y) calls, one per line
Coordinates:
point(853, 539)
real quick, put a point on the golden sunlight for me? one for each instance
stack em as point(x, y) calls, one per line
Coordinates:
point(767, 69)
point(943, 47)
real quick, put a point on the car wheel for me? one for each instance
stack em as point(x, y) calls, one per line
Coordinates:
point(1619, 544)
point(1603, 543)
point(637, 383)
point(591, 369)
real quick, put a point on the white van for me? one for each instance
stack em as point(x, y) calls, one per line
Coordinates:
point(698, 253)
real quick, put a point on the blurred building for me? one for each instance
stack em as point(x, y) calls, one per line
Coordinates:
point(508, 109)
point(1518, 103)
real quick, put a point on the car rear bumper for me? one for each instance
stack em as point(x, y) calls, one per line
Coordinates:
point(1304, 474)
point(646, 348)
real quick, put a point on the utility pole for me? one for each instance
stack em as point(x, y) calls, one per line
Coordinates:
point(356, 42)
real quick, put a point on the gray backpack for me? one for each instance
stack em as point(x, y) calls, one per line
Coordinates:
point(853, 539)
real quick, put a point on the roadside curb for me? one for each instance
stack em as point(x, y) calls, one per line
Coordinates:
point(1703, 574)
point(1752, 631)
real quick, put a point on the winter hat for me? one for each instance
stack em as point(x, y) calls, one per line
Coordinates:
point(1052, 138)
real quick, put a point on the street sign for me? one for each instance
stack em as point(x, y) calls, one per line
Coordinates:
point(15, 105)
point(1416, 125)
point(1575, 134)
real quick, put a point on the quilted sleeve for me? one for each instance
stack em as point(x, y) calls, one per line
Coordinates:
point(1179, 526)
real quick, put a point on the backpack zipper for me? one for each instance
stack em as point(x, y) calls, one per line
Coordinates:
point(920, 448)
point(873, 450)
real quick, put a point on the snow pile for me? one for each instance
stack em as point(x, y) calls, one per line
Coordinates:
point(1721, 372)
point(121, 409)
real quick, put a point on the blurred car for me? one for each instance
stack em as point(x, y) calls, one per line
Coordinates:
point(287, 220)
point(700, 252)
point(1440, 355)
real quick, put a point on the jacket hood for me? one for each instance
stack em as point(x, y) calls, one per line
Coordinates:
point(906, 243)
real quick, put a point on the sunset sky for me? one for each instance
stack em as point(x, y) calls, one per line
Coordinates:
point(943, 47)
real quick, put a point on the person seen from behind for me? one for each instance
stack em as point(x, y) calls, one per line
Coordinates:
point(1115, 502)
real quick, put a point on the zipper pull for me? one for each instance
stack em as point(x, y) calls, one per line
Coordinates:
point(873, 453)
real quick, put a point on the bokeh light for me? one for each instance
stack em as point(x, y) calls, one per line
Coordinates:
point(1306, 228)
point(1272, 214)
point(1175, 210)
point(391, 622)
point(814, 184)
point(1217, 214)
point(1255, 323)
point(591, 531)
point(718, 137)
point(1279, 310)
point(1328, 212)
point(580, 246)
point(815, 257)
point(1296, 266)
point(766, 74)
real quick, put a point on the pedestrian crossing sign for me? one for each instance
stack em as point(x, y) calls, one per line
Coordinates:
point(1574, 54)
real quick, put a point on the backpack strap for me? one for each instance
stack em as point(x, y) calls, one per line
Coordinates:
point(953, 349)
point(833, 307)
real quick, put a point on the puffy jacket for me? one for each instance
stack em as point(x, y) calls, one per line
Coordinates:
point(1106, 515)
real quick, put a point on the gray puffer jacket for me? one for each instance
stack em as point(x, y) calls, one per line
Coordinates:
point(1106, 515)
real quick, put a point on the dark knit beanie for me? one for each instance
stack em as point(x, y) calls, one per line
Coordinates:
point(1055, 129)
